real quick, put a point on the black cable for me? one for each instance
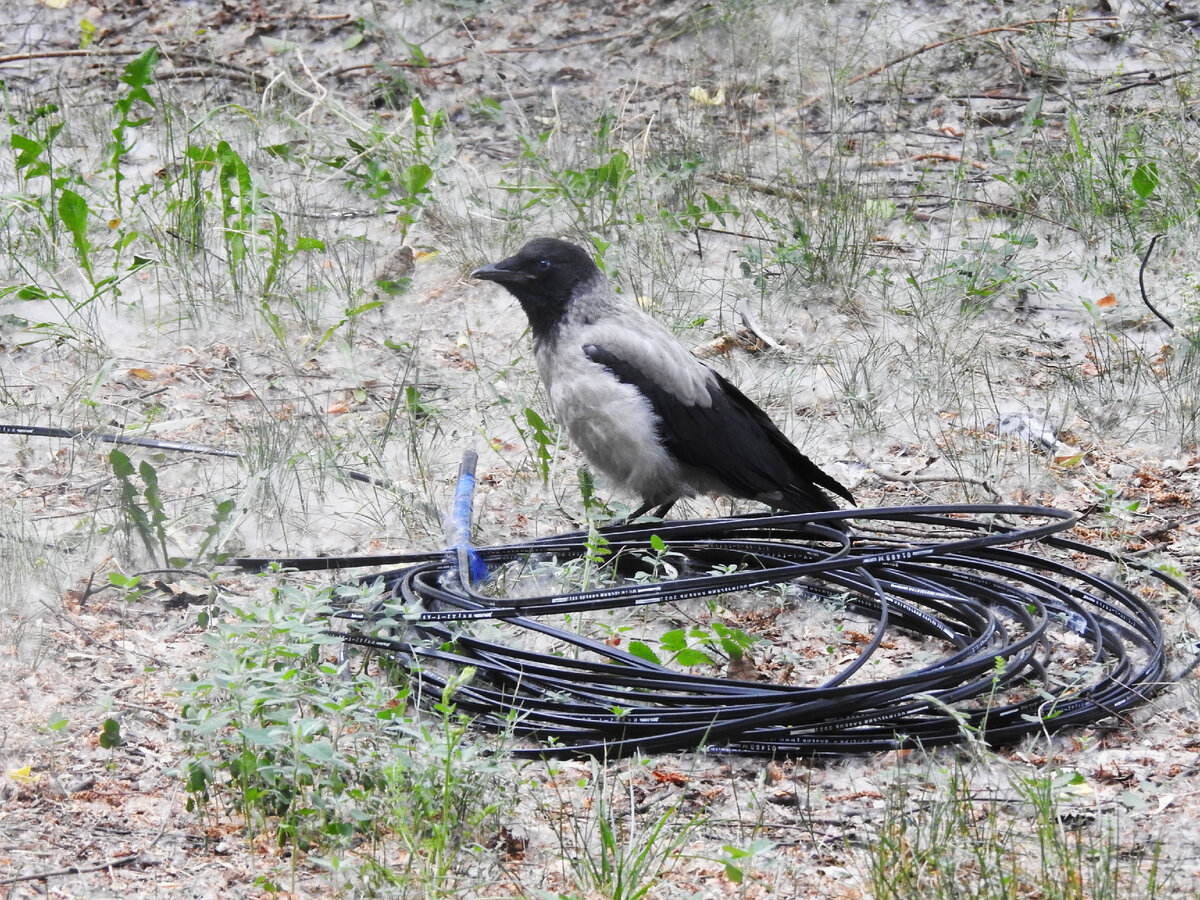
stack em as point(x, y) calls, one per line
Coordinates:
point(110, 437)
point(1142, 283)
point(992, 584)
point(1000, 596)
point(132, 440)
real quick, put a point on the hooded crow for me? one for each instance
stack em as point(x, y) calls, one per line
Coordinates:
point(645, 412)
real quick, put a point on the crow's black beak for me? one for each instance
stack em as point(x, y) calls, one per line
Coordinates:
point(502, 273)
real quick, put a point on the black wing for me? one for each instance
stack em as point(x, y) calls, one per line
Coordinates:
point(731, 438)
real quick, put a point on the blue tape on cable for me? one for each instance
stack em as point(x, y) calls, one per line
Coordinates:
point(458, 531)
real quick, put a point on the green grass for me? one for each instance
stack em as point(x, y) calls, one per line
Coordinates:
point(1032, 836)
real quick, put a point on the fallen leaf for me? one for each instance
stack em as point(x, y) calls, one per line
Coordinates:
point(1108, 301)
point(1069, 460)
point(143, 374)
point(664, 777)
point(704, 98)
point(23, 775)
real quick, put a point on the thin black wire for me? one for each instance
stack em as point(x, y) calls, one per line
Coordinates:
point(134, 440)
point(109, 437)
point(982, 579)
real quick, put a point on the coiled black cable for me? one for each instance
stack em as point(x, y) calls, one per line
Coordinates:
point(994, 585)
point(1000, 596)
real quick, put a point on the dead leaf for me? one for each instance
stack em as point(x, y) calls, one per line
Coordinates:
point(704, 98)
point(511, 845)
point(143, 374)
point(23, 775)
point(664, 777)
point(1108, 301)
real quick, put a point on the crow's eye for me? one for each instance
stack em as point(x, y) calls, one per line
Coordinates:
point(543, 264)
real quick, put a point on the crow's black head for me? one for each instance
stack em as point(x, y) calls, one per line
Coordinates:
point(542, 276)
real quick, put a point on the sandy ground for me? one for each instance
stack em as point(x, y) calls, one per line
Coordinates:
point(80, 819)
